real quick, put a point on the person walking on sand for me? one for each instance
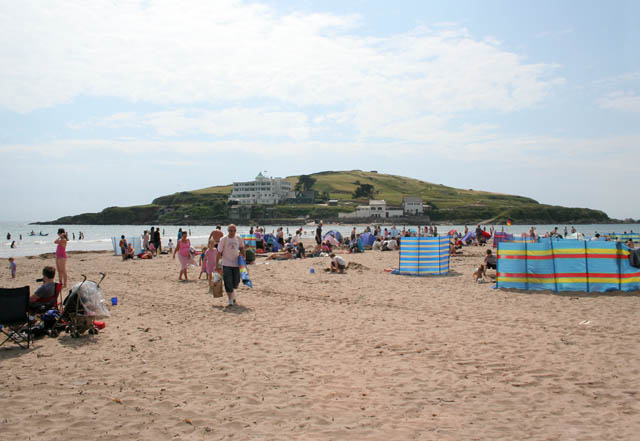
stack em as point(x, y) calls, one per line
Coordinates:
point(61, 256)
point(216, 235)
point(157, 241)
point(12, 267)
point(319, 233)
point(229, 248)
point(183, 249)
point(211, 260)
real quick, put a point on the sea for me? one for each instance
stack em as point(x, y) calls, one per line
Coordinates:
point(99, 237)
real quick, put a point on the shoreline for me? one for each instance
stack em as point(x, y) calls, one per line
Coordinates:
point(373, 221)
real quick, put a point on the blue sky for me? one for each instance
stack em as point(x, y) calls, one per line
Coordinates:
point(118, 102)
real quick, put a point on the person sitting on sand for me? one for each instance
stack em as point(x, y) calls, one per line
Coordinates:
point(45, 296)
point(299, 251)
point(490, 261)
point(316, 251)
point(389, 245)
point(129, 252)
point(377, 244)
point(479, 273)
point(338, 264)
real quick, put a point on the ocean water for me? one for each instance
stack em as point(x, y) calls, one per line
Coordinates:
point(98, 237)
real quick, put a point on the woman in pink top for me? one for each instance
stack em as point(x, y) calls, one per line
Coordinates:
point(183, 249)
point(61, 256)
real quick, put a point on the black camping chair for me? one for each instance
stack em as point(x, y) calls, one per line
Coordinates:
point(14, 316)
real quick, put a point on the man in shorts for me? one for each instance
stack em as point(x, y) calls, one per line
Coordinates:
point(230, 247)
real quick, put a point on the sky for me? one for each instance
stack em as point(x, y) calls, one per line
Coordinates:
point(114, 103)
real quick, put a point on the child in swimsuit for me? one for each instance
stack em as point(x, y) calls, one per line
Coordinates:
point(61, 256)
point(203, 262)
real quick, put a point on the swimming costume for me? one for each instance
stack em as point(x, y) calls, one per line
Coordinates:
point(61, 252)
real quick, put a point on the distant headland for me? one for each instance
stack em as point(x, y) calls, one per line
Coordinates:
point(338, 196)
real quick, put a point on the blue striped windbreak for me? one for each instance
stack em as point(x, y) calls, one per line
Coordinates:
point(421, 256)
point(566, 265)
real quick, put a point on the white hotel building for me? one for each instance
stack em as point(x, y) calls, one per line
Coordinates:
point(264, 190)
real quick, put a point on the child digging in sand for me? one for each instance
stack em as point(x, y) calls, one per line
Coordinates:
point(478, 274)
point(338, 264)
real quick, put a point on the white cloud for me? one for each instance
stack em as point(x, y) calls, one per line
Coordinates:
point(117, 120)
point(244, 122)
point(231, 52)
point(257, 122)
point(621, 101)
point(478, 143)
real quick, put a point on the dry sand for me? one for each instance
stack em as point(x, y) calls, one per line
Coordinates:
point(365, 355)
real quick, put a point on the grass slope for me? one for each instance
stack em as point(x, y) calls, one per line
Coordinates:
point(447, 204)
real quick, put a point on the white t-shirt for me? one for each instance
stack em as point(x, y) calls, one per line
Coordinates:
point(230, 250)
point(340, 261)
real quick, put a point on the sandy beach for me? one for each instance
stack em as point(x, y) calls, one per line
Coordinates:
point(362, 356)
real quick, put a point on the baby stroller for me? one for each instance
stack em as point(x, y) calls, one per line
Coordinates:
point(84, 304)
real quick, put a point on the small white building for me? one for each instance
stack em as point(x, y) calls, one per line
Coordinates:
point(264, 190)
point(376, 208)
point(412, 205)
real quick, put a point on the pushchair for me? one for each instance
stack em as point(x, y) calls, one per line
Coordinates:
point(84, 304)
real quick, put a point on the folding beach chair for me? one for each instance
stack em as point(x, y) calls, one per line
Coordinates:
point(43, 305)
point(14, 316)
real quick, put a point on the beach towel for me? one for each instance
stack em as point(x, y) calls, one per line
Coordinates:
point(244, 272)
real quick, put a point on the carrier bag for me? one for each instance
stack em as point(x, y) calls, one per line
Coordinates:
point(217, 288)
point(217, 285)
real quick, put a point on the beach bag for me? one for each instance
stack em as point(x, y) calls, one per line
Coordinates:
point(217, 285)
point(217, 289)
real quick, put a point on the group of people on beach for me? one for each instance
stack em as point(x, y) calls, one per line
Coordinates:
point(219, 258)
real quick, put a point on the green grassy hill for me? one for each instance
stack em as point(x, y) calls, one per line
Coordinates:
point(447, 204)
